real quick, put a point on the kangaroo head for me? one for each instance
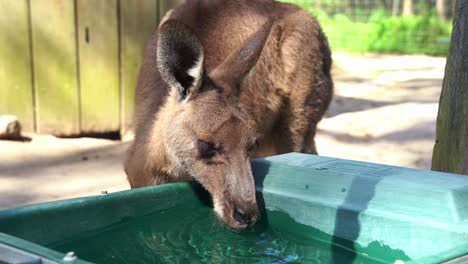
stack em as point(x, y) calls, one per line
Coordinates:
point(207, 134)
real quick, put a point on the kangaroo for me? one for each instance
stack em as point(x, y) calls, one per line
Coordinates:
point(223, 82)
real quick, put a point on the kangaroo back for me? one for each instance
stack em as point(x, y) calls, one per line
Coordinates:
point(223, 82)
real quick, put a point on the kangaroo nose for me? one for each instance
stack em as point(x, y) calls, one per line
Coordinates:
point(241, 216)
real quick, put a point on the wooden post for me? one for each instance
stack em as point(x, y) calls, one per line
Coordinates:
point(451, 147)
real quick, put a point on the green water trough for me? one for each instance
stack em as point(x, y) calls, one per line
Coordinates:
point(315, 210)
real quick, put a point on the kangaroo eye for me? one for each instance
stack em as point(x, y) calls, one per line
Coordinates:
point(207, 150)
point(253, 146)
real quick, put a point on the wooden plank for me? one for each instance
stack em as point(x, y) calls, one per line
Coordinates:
point(98, 65)
point(16, 93)
point(138, 19)
point(451, 148)
point(55, 66)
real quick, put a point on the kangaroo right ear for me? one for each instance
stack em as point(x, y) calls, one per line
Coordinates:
point(180, 57)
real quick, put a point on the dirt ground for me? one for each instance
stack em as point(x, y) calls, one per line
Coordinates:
point(384, 111)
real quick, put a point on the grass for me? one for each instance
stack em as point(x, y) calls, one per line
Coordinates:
point(379, 32)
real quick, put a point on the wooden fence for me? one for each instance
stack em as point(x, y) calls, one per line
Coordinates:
point(69, 67)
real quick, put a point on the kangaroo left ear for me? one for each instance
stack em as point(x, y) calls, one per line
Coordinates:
point(180, 57)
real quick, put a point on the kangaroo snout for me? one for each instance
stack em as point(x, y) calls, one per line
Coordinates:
point(245, 216)
point(237, 215)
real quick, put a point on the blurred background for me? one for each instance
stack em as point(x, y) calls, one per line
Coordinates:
point(385, 26)
point(68, 72)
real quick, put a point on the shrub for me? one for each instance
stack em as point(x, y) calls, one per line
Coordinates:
point(380, 32)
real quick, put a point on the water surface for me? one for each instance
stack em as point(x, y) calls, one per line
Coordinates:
point(190, 233)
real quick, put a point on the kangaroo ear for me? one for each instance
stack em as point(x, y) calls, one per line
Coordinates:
point(241, 62)
point(180, 57)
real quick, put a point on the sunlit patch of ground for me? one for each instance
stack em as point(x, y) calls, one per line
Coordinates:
point(384, 109)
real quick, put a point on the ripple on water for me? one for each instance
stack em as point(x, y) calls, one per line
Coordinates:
point(192, 234)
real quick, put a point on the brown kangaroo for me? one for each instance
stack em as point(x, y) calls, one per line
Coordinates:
point(223, 82)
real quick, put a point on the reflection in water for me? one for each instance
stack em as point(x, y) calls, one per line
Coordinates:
point(347, 224)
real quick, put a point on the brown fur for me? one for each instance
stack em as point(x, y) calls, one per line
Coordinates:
point(280, 103)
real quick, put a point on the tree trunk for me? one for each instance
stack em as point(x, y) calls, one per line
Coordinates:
point(349, 8)
point(408, 8)
point(395, 7)
point(441, 8)
point(451, 147)
point(453, 7)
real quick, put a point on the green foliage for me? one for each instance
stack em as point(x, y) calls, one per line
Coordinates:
point(378, 31)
